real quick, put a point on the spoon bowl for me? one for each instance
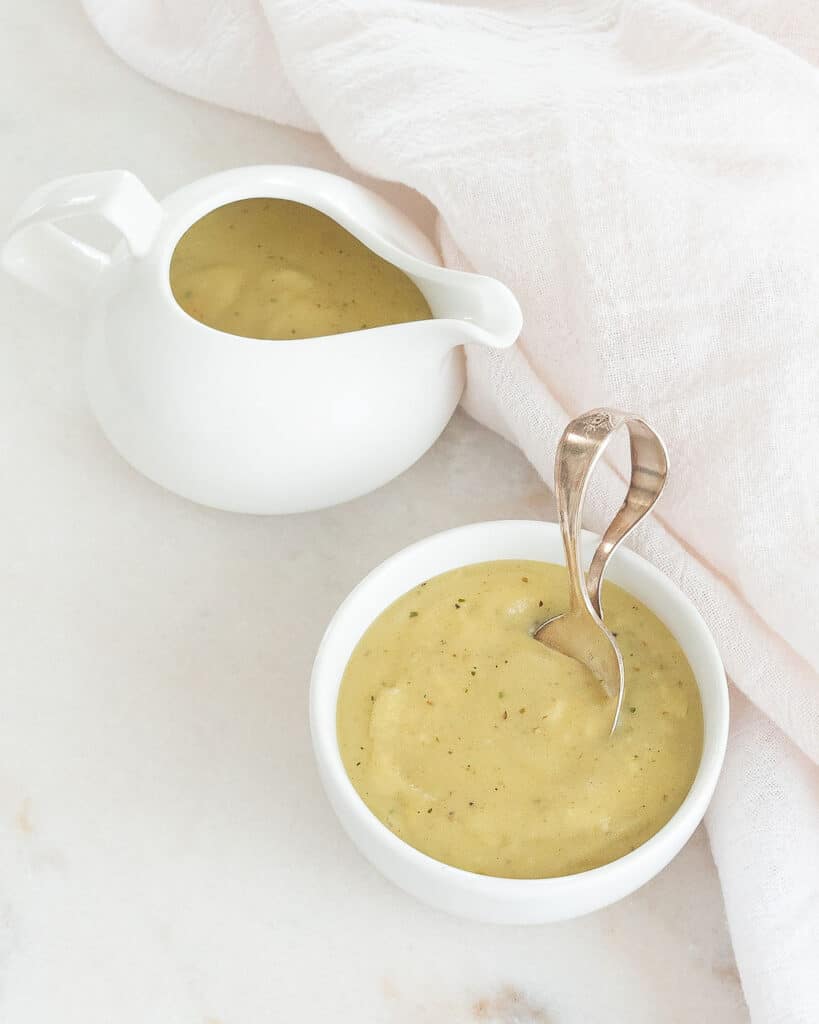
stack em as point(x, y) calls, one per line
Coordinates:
point(581, 635)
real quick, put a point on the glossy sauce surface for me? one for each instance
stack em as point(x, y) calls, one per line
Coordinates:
point(486, 750)
point(272, 268)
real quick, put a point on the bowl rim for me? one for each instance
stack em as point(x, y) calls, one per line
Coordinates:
point(657, 849)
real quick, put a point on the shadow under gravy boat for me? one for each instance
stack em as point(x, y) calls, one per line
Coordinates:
point(243, 424)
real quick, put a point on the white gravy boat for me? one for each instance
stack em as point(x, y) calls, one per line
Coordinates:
point(234, 422)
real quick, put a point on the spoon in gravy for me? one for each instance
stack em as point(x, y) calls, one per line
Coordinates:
point(580, 632)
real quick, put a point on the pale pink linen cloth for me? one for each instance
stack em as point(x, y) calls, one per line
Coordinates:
point(645, 176)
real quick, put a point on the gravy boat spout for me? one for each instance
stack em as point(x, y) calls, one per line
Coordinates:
point(486, 310)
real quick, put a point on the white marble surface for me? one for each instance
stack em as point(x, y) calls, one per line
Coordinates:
point(166, 854)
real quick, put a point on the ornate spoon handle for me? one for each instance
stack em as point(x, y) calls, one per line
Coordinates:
point(584, 441)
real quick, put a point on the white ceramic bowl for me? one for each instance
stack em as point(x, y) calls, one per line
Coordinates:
point(507, 900)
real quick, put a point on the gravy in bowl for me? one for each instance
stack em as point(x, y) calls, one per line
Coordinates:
point(276, 269)
point(488, 751)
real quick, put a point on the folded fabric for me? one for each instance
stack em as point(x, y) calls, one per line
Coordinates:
point(643, 175)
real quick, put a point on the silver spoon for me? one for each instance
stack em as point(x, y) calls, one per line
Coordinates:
point(580, 632)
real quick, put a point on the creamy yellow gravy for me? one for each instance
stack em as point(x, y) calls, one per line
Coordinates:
point(486, 750)
point(271, 268)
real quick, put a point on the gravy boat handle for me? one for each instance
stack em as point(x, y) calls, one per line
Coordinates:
point(40, 253)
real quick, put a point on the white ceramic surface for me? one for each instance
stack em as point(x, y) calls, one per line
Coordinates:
point(237, 423)
point(503, 900)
